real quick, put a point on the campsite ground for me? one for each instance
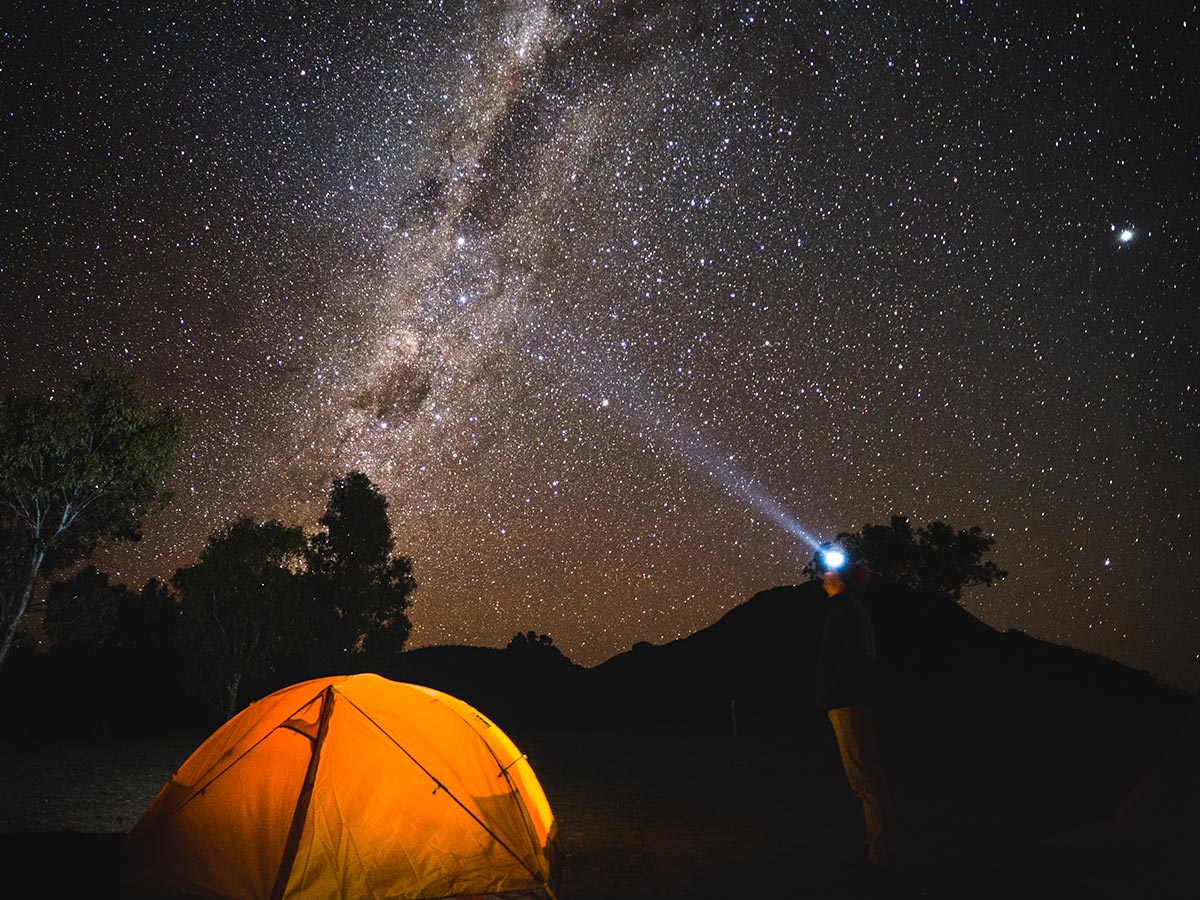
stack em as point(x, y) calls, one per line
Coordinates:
point(674, 816)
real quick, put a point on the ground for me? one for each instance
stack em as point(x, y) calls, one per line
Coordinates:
point(654, 815)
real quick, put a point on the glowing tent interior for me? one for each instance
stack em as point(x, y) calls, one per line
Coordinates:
point(352, 786)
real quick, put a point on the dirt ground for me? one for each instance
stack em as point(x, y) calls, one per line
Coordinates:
point(677, 816)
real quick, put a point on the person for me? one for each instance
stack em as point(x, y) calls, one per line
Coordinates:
point(848, 687)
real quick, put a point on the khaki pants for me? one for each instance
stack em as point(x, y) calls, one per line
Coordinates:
point(858, 742)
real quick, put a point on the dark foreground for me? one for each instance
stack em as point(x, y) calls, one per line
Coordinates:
point(686, 816)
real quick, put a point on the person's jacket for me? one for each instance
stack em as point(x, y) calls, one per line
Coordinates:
point(848, 669)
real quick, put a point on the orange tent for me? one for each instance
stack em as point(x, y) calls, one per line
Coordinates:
point(353, 786)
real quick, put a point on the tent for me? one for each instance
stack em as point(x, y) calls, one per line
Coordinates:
point(352, 786)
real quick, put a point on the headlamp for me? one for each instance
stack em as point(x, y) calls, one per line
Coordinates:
point(833, 557)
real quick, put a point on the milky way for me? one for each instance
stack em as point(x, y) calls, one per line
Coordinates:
point(602, 295)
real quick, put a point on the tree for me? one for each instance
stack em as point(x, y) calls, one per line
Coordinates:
point(935, 558)
point(536, 648)
point(242, 605)
point(13, 568)
point(149, 627)
point(530, 640)
point(361, 585)
point(83, 611)
point(77, 470)
point(88, 612)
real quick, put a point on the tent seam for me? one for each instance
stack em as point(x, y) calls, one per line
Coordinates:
point(295, 830)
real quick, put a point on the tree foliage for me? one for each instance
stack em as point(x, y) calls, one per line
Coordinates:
point(530, 640)
point(536, 648)
point(261, 602)
point(89, 614)
point(77, 470)
point(243, 606)
point(84, 611)
point(360, 585)
point(934, 558)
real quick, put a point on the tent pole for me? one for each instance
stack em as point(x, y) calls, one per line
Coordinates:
point(292, 845)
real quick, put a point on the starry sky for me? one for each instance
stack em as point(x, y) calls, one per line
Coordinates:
point(618, 301)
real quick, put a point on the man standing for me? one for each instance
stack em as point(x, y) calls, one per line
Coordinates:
point(848, 687)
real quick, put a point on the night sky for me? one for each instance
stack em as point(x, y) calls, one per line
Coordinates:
point(614, 301)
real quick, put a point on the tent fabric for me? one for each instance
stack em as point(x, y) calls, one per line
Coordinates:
point(402, 792)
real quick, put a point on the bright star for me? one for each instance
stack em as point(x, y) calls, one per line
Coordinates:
point(1125, 236)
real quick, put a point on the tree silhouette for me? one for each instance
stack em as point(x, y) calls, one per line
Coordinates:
point(360, 585)
point(934, 558)
point(83, 611)
point(530, 640)
point(89, 613)
point(536, 649)
point(242, 606)
point(77, 470)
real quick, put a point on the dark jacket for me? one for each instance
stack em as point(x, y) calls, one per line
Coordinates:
point(848, 669)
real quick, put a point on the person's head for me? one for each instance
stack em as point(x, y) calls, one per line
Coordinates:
point(853, 577)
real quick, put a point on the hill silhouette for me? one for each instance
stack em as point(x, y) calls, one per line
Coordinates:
point(947, 672)
point(532, 688)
